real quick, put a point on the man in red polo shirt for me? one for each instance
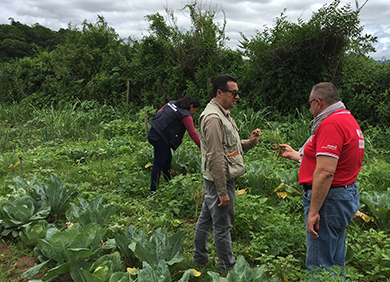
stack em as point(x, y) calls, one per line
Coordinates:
point(330, 161)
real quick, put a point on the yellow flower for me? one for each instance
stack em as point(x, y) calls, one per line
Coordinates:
point(11, 166)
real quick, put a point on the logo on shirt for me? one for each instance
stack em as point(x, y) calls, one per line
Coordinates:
point(173, 106)
point(361, 144)
point(359, 133)
point(330, 147)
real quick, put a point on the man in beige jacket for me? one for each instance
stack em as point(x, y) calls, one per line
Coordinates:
point(222, 162)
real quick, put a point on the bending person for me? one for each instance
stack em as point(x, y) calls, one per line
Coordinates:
point(167, 131)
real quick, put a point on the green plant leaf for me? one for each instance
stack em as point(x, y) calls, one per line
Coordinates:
point(59, 270)
point(34, 270)
point(123, 243)
point(121, 277)
point(74, 255)
point(57, 196)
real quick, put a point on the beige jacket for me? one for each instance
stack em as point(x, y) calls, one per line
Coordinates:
point(221, 147)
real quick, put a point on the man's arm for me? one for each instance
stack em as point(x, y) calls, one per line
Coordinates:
point(322, 180)
point(252, 141)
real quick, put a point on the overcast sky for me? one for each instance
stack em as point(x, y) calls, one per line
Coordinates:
point(127, 17)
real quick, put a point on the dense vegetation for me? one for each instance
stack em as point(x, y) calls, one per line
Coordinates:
point(75, 163)
point(18, 40)
point(280, 66)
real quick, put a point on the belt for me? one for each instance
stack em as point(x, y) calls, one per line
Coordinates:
point(308, 187)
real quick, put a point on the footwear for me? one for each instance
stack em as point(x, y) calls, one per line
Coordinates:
point(200, 263)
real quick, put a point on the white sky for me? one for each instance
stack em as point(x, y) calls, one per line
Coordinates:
point(127, 17)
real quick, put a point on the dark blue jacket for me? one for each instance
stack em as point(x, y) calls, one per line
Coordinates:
point(167, 123)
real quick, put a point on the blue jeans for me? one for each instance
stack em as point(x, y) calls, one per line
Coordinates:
point(162, 159)
point(337, 211)
point(221, 219)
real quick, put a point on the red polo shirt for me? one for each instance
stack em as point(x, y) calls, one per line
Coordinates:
point(338, 136)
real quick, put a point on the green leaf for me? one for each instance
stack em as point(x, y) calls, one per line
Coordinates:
point(31, 234)
point(215, 276)
point(59, 270)
point(89, 277)
point(73, 255)
point(186, 276)
point(113, 261)
point(57, 196)
point(123, 245)
point(121, 277)
point(94, 212)
point(33, 270)
point(143, 254)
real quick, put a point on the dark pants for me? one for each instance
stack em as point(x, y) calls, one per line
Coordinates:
point(162, 159)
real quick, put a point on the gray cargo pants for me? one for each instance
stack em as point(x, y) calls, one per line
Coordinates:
point(221, 219)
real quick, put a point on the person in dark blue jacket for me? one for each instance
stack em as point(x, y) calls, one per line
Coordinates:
point(168, 128)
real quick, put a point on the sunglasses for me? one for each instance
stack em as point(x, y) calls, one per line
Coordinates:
point(234, 92)
point(308, 104)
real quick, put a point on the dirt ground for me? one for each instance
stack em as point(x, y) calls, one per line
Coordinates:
point(17, 266)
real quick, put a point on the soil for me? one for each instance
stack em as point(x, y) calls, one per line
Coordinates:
point(19, 266)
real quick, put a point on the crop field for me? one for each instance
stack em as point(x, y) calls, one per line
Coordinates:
point(75, 205)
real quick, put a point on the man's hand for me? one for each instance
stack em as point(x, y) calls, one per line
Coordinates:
point(313, 225)
point(285, 151)
point(224, 200)
point(254, 139)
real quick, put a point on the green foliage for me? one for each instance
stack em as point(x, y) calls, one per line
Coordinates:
point(34, 232)
point(271, 231)
point(18, 40)
point(177, 197)
point(260, 178)
point(374, 176)
point(57, 195)
point(375, 142)
point(371, 253)
point(95, 212)
point(185, 160)
point(364, 89)
point(286, 60)
point(268, 230)
point(242, 273)
point(158, 273)
point(154, 248)
point(379, 205)
point(105, 268)
point(69, 251)
point(15, 215)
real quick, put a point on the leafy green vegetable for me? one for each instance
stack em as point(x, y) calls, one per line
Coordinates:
point(379, 205)
point(32, 233)
point(242, 272)
point(20, 213)
point(95, 212)
point(70, 250)
point(159, 273)
point(57, 195)
point(103, 268)
point(153, 249)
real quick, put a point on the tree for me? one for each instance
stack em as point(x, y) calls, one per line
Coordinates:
point(288, 59)
point(172, 62)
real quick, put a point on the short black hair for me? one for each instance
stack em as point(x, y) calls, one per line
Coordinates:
point(186, 102)
point(220, 82)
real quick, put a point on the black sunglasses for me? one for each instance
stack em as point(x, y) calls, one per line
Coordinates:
point(308, 104)
point(234, 92)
